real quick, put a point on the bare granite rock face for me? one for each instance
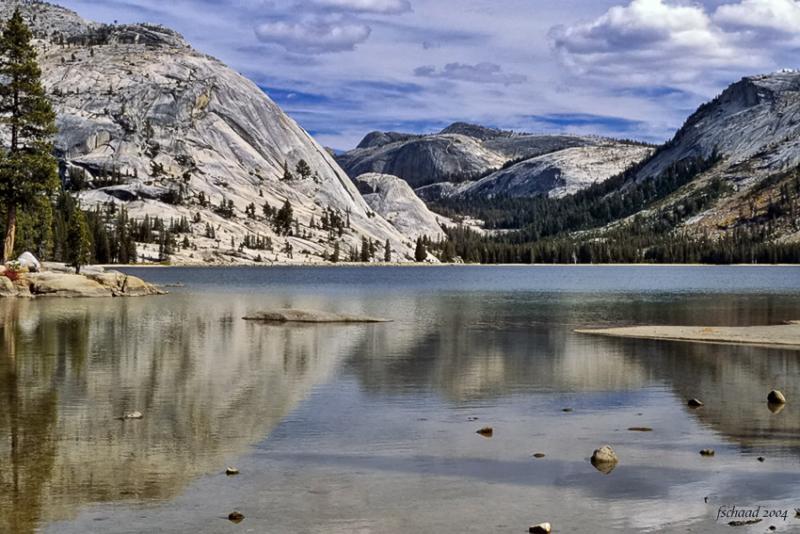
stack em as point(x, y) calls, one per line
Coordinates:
point(559, 173)
point(753, 120)
point(463, 152)
point(394, 200)
point(147, 122)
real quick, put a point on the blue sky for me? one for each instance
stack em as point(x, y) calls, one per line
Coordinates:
point(342, 68)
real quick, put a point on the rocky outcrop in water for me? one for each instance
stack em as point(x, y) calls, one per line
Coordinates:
point(147, 122)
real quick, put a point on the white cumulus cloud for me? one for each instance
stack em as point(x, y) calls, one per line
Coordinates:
point(313, 37)
point(651, 41)
point(766, 15)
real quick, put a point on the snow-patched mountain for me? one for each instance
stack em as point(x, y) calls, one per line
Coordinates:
point(459, 152)
point(394, 200)
point(147, 121)
point(559, 173)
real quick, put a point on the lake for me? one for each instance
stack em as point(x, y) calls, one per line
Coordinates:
point(372, 428)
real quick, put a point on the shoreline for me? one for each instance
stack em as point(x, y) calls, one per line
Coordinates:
point(439, 265)
point(786, 336)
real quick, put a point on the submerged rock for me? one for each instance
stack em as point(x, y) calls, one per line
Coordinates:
point(776, 397)
point(640, 429)
point(132, 415)
point(309, 316)
point(486, 432)
point(541, 528)
point(539, 455)
point(744, 523)
point(605, 459)
point(695, 403)
point(707, 452)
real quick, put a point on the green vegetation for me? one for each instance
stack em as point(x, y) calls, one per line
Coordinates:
point(28, 170)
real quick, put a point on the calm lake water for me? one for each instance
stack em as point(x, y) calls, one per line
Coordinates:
point(372, 428)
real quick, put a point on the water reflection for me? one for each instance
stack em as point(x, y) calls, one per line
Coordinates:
point(208, 384)
point(212, 386)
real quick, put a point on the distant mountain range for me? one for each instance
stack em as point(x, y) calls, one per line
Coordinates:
point(728, 178)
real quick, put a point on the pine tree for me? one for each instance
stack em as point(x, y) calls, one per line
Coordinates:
point(28, 169)
point(287, 174)
point(283, 219)
point(79, 243)
point(420, 254)
point(387, 252)
point(303, 169)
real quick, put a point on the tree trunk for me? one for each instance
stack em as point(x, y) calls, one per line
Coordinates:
point(11, 233)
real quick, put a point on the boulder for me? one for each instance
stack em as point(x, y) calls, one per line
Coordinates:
point(7, 288)
point(695, 403)
point(136, 287)
point(604, 459)
point(486, 432)
point(132, 415)
point(29, 261)
point(230, 471)
point(776, 397)
point(541, 528)
point(236, 516)
point(707, 452)
point(66, 285)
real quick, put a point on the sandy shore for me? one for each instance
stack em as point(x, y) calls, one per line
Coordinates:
point(785, 335)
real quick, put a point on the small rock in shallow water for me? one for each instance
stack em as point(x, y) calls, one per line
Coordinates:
point(472, 418)
point(760, 458)
point(695, 403)
point(566, 410)
point(744, 523)
point(231, 471)
point(541, 528)
point(236, 517)
point(640, 429)
point(486, 432)
point(539, 455)
point(604, 459)
point(707, 452)
point(132, 415)
point(776, 397)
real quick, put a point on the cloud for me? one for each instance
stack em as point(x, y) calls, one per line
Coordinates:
point(313, 37)
point(388, 7)
point(478, 73)
point(770, 15)
point(651, 41)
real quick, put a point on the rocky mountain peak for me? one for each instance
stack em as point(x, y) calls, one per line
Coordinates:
point(475, 131)
point(756, 117)
point(55, 24)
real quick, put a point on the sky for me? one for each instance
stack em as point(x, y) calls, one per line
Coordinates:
point(343, 68)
